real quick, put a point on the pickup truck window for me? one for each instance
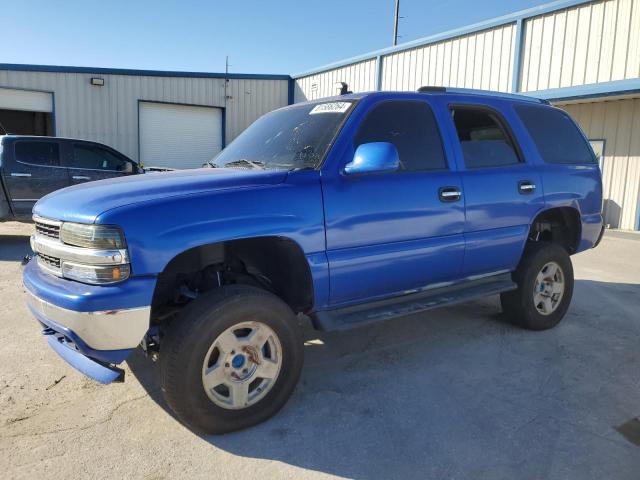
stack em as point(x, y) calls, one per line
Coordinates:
point(411, 127)
point(290, 138)
point(96, 158)
point(484, 140)
point(556, 136)
point(46, 154)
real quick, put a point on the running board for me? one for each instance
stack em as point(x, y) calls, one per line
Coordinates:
point(352, 316)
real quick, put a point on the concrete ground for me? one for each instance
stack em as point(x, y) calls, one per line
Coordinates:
point(455, 393)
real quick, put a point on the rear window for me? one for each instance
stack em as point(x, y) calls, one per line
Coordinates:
point(556, 136)
point(38, 153)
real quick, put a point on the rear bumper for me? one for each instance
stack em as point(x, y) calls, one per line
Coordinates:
point(90, 338)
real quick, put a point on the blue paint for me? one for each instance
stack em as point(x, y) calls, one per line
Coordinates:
point(366, 237)
point(85, 365)
point(594, 90)
point(238, 361)
point(291, 86)
point(137, 292)
point(375, 157)
point(73, 340)
point(146, 73)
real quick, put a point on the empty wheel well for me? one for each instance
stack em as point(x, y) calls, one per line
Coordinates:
point(276, 264)
point(559, 225)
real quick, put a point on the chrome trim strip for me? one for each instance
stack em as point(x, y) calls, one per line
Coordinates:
point(47, 221)
point(100, 330)
point(55, 248)
point(48, 268)
point(20, 174)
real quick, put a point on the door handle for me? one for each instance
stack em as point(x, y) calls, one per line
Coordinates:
point(525, 187)
point(20, 174)
point(449, 194)
point(80, 177)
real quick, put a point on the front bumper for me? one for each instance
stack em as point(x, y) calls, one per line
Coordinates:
point(81, 330)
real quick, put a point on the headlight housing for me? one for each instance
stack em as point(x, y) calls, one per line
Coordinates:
point(87, 253)
point(105, 237)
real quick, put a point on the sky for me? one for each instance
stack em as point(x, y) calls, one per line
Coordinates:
point(268, 36)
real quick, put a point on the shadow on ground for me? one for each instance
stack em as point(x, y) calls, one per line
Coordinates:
point(460, 392)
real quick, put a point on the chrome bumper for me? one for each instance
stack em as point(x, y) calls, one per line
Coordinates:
point(105, 330)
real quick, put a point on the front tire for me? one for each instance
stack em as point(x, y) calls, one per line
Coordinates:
point(545, 287)
point(231, 359)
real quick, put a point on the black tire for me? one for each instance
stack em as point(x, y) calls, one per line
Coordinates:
point(188, 338)
point(518, 305)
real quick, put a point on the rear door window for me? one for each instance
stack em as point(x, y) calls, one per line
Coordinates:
point(411, 127)
point(46, 154)
point(484, 138)
point(555, 134)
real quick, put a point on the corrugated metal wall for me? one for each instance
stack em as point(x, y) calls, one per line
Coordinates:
point(479, 60)
point(618, 123)
point(361, 77)
point(109, 114)
point(592, 43)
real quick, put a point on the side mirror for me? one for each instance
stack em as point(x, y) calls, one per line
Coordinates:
point(374, 157)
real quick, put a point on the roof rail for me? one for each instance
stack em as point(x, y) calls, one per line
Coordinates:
point(489, 93)
point(432, 88)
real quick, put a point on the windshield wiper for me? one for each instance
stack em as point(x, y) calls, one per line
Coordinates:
point(255, 164)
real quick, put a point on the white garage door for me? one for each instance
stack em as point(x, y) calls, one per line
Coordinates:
point(179, 136)
point(27, 100)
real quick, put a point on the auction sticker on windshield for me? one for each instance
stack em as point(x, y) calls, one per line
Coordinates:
point(333, 107)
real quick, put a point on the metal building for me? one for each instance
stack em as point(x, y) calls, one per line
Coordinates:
point(173, 119)
point(583, 56)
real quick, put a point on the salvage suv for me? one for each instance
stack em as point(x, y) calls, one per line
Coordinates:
point(349, 210)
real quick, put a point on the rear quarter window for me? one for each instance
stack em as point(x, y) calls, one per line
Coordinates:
point(555, 134)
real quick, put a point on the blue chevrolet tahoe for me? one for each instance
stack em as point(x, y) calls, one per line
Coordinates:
point(349, 210)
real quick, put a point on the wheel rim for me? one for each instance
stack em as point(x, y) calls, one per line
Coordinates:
point(242, 365)
point(548, 289)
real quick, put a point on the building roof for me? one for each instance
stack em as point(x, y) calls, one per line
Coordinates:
point(140, 73)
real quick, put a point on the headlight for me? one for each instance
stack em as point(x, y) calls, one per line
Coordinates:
point(92, 236)
point(94, 274)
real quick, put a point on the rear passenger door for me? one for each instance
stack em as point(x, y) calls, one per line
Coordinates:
point(34, 170)
point(394, 232)
point(88, 162)
point(502, 190)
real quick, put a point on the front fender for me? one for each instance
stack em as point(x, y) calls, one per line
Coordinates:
point(160, 229)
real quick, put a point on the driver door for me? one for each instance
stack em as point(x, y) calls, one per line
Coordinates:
point(395, 233)
point(88, 162)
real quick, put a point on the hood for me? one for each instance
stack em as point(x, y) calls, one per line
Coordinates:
point(84, 202)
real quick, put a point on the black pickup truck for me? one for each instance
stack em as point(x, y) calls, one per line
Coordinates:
point(31, 167)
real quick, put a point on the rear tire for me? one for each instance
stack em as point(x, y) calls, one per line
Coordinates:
point(545, 287)
point(214, 334)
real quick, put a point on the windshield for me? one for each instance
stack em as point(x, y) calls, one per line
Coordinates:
point(295, 137)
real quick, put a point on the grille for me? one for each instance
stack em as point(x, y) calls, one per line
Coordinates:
point(51, 262)
point(48, 230)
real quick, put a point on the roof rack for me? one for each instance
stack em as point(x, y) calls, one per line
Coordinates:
point(471, 91)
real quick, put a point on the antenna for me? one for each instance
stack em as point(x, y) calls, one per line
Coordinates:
point(395, 23)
